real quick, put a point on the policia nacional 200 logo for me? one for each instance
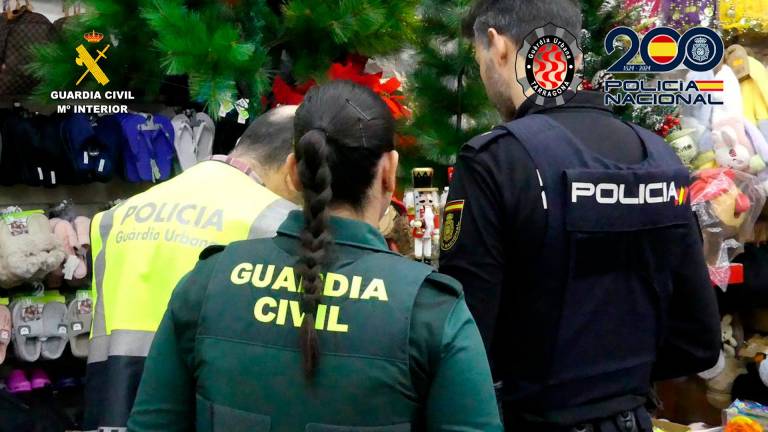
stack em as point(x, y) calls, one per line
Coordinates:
point(550, 65)
point(452, 223)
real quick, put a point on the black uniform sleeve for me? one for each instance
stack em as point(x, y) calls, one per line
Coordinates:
point(476, 259)
point(692, 338)
point(503, 223)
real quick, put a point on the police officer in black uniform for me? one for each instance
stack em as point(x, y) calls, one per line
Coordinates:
point(578, 251)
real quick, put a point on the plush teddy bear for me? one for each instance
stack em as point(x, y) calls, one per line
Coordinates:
point(729, 341)
point(729, 367)
point(395, 229)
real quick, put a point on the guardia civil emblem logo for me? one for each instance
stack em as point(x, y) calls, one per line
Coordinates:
point(84, 58)
point(451, 224)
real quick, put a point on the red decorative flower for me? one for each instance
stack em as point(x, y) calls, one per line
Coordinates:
point(405, 141)
point(287, 95)
point(353, 69)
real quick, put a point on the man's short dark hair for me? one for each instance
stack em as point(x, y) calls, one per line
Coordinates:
point(269, 139)
point(515, 19)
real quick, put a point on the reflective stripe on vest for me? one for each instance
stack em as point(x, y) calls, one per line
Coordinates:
point(143, 247)
point(120, 343)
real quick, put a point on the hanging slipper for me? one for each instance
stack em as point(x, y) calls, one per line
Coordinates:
point(17, 382)
point(184, 141)
point(54, 339)
point(79, 316)
point(83, 229)
point(55, 278)
point(27, 329)
point(30, 252)
point(204, 134)
point(74, 267)
point(49, 254)
point(39, 379)
point(5, 330)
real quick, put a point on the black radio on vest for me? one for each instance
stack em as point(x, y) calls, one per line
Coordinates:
point(581, 262)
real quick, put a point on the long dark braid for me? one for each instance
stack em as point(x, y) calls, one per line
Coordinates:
point(342, 129)
point(313, 152)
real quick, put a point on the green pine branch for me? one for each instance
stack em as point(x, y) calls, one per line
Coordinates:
point(129, 65)
point(318, 32)
point(445, 90)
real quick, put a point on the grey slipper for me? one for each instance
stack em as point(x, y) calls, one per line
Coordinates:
point(27, 328)
point(54, 337)
point(79, 321)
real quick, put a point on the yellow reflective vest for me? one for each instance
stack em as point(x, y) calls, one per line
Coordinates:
point(141, 249)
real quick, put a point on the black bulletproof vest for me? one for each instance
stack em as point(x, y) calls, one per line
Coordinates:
point(595, 315)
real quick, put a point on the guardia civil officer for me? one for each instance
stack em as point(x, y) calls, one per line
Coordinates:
point(579, 255)
point(321, 328)
point(143, 247)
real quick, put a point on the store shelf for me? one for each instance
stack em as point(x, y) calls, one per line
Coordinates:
point(90, 194)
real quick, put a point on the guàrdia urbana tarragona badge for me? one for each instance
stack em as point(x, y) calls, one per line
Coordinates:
point(549, 54)
point(451, 223)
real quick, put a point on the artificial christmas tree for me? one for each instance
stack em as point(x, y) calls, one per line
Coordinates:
point(445, 90)
point(228, 49)
point(218, 45)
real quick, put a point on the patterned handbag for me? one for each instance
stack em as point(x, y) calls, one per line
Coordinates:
point(19, 30)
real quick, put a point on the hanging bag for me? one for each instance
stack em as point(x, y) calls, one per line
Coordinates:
point(20, 29)
point(62, 22)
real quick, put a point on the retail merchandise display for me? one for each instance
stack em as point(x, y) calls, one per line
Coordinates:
point(201, 71)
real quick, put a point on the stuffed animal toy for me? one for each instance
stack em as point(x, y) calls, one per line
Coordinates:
point(733, 104)
point(28, 249)
point(704, 161)
point(395, 229)
point(753, 346)
point(684, 145)
point(729, 342)
point(753, 385)
point(738, 60)
point(733, 149)
point(727, 203)
point(720, 380)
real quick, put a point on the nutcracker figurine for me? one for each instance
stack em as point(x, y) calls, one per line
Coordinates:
point(423, 214)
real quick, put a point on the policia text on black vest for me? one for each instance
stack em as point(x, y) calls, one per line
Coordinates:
point(600, 284)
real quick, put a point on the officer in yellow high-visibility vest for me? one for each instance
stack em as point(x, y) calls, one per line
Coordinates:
point(142, 248)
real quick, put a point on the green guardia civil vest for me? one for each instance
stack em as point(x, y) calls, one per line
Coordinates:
point(249, 329)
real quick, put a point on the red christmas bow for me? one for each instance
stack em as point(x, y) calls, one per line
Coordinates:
point(352, 70)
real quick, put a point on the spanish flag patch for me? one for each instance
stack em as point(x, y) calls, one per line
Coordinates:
point(451, 223)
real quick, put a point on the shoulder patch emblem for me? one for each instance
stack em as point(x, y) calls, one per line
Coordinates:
point(451, 223)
